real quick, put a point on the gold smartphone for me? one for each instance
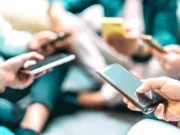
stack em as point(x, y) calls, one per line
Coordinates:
point(149, 40)
point(111, 25)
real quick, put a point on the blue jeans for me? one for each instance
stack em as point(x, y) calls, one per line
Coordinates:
point(5, 131)
point(44, 90)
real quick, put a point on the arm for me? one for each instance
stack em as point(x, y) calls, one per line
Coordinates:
point(165, 23)
point(59, 18)
point(74, 6)
point(12, 42)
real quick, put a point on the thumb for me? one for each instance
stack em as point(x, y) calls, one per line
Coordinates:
point(153, 83)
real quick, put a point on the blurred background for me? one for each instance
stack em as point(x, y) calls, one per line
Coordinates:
point(31, 15)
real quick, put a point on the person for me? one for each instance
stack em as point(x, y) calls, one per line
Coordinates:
point(139, 21)
point(170, 61)
point(168, 88)
point(43, 95)
point(12, 75)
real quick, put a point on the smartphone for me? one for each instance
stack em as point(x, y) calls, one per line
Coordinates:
point(111, 25)
point(61, 36)
point(149, 40)
point(126, 83)
point(50, 62)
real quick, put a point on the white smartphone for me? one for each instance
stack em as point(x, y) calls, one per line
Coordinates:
point(126, 83)
point(50, 62)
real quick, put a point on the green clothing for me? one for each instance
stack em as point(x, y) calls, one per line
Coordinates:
point(159, 15)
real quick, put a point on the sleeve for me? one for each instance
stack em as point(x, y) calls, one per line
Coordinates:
point(165, 23)
point(75, 6)
point(12, 42)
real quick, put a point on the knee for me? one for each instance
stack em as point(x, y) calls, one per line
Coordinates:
point(9, 112)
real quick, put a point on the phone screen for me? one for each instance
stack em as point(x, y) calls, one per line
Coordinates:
point(126, 83)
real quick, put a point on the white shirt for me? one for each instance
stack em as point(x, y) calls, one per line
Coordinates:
point(133, 15)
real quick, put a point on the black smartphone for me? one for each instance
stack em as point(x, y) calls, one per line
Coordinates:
point(50, 62)
point(149, 40)
point(126, 83)
point(62, 36)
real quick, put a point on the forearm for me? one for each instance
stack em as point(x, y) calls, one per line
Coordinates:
point(3, 79)
point(57, 15)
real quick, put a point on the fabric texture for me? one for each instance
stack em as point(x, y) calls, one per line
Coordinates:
point(5, 131)
point(133, 18)
point(11, 41)
point(153, 127)
point(23, 131)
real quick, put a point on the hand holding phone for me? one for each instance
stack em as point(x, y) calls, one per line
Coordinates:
point(45, 42)
point(126, 83)
point(168, 88)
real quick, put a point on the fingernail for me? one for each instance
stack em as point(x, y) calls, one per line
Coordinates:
point(159, 107)
point(139, 90)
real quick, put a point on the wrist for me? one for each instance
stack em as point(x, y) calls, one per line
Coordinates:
point(3, 79)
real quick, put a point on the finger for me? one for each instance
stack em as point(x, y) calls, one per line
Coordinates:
point(127, 28)
point(27, 81)
point(40, 74)
point(125, 100)
point(59, 44)
point(144, 88)
point(160, 56)
point(153, 83)
point(156, 53)
point(31, 56)
point(167, 66)
point(172, 48)
point(25, 78)
point(26, 72)
point(159, 112)
point(132, 107)
point(46, 35)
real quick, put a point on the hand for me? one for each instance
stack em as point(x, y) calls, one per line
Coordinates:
point(11, 74)
point(39, 39)
point(127, 44)
point(169, 89)
point(169, 61)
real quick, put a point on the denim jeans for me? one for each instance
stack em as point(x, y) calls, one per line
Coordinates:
point(5, 131)
point(44, 90)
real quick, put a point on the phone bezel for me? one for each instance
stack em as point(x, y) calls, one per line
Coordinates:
point(145, 110)
point(53, 64)
point(150, 41)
